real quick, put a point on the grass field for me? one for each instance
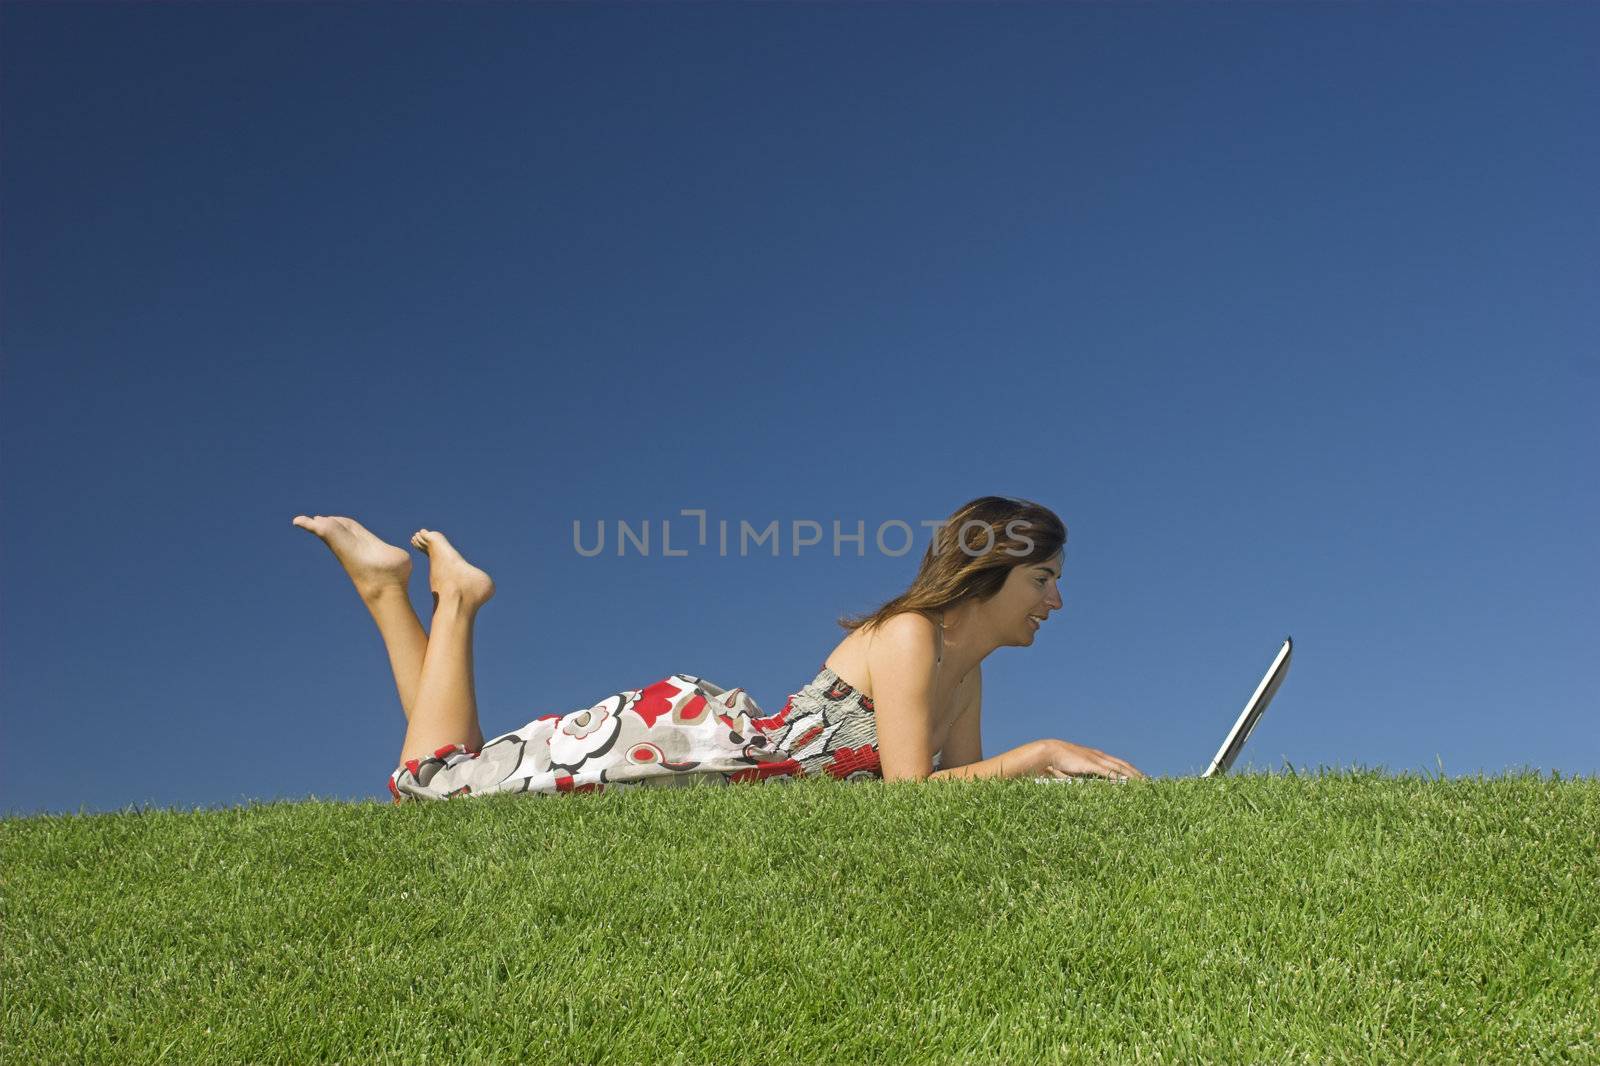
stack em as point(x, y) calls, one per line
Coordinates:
point(1331, 917)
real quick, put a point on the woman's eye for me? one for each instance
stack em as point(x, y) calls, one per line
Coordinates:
point(1040, 581)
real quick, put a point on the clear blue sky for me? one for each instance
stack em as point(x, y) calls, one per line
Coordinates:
point(1290, 312)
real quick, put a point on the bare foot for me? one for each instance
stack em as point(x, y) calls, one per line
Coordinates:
point(449, 575)
point(371, 563)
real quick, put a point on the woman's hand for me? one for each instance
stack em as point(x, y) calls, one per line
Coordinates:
point(1074, 760)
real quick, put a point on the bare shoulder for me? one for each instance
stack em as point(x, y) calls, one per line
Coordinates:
point(905, 642)
point(907, 623)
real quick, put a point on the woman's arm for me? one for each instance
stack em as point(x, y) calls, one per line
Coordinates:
point(1043, 757)
point(904, 699)
point(1029, 760)
point(900, 660)
point(901, 664)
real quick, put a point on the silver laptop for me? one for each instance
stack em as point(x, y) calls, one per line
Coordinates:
point(1233, 743)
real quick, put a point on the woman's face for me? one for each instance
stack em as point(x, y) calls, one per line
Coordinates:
point(1032, 591)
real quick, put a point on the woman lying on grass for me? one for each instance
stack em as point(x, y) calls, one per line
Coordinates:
point(900, 697)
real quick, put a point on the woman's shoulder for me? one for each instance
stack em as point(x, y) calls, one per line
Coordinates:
point(903, 647)
point(902, 625)
point(908, 634)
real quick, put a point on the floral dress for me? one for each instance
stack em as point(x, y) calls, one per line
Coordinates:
point(681, 730)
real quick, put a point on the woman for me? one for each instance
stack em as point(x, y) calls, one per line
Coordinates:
point(900, 697)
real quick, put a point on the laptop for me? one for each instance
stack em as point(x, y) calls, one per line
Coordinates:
point(1233, 743)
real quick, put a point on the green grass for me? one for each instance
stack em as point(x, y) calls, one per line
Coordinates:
point(1335, 917)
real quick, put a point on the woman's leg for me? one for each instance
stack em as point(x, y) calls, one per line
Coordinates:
point(446, 709)
point(380, 572)
point(404, 639)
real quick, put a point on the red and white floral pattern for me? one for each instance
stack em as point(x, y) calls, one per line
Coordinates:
point(680, 730)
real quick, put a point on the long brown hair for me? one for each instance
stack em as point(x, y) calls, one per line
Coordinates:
point(971, 555)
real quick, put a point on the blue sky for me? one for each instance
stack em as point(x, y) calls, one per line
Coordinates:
point(1288, 311)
